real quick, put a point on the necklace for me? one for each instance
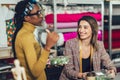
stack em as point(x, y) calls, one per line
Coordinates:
point(91, 54)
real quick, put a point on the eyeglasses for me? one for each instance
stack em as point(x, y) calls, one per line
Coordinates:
point(37, 13)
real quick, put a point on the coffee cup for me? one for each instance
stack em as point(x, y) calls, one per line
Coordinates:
point(91, 76)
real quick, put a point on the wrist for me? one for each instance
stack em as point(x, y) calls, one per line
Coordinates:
point(80, 75)
point(47, 48)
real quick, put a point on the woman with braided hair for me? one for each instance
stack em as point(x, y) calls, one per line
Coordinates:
point(32, 56)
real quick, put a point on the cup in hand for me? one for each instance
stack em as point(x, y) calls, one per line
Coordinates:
point(91, 76)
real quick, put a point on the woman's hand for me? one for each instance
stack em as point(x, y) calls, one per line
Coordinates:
point(111, 73)
point(51, 40)
point(82, 75)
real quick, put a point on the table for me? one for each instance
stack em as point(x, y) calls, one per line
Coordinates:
point(117, 76)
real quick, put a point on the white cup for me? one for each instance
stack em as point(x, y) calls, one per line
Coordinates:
point(91, 78)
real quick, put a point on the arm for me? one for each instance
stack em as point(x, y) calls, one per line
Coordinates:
point(106, 59)
point(14, 74)
point(35, 55)
point(23, 73)
point(35, 63)
point(69, 68)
